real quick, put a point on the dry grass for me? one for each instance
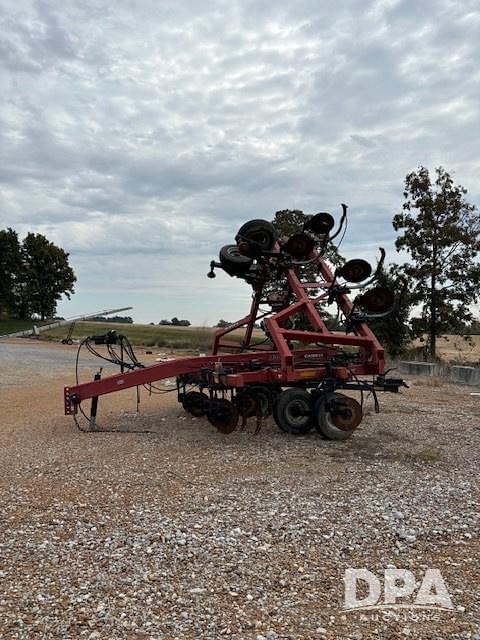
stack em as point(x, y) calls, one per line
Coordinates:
point(147, 335)
point(453, 348)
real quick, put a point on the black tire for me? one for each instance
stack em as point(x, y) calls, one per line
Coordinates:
point(196, 403)
point(324, 423)
point(292, 411)
point(233, 262)
point(255, 237)
point(275, 392)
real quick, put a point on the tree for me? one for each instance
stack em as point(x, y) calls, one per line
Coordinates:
point(179, 323)
point(222, 324)
point(45, 276)
point(441, 235)
point(10, 267)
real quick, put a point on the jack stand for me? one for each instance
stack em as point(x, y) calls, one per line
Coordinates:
point(94, 406)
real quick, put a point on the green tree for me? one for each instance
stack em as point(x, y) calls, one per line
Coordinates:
point(46, 275)
point(179, 323)
point(440, 231)
point(10, 268)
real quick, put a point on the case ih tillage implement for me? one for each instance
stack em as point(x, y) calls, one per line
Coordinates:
point(297, 372)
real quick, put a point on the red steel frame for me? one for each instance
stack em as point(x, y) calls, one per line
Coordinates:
point(279, 363)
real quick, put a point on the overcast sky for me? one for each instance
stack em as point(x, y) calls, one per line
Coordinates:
point(140, 135)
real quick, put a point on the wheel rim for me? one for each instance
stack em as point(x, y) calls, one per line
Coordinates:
point(292, 411)
point(295, 413)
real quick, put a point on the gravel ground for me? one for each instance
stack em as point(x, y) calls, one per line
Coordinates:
point(182, 532)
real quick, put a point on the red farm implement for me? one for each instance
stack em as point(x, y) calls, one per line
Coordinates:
point(298, 367)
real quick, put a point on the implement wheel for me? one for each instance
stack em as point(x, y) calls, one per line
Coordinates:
point(292, 411)
point(255, 237)
point(337, 416)
point(223, 415)
point(233, 262)
point(195, 403)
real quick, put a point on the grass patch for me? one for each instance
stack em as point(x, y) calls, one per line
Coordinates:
point(164, 337)
point(145, 335)
point(138, 334)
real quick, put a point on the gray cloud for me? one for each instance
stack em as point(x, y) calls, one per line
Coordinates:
point(149, 130)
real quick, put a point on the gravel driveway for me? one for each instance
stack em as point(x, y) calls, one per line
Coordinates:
point(168, 529)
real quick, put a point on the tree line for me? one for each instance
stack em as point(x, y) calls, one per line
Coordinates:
point(34, 274)
point(116, 319)
point(174, 322)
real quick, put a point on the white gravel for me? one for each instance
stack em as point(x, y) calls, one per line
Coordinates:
point(186, 533)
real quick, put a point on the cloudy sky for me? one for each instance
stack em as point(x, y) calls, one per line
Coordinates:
point(140, 135)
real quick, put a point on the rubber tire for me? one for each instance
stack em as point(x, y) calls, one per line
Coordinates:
point(260, 232)
point(282, 411)
point(324, 425)
point(233, 262)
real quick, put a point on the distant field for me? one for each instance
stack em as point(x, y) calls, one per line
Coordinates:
point(147, 335)
point(453, 348)
point(139, 334)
